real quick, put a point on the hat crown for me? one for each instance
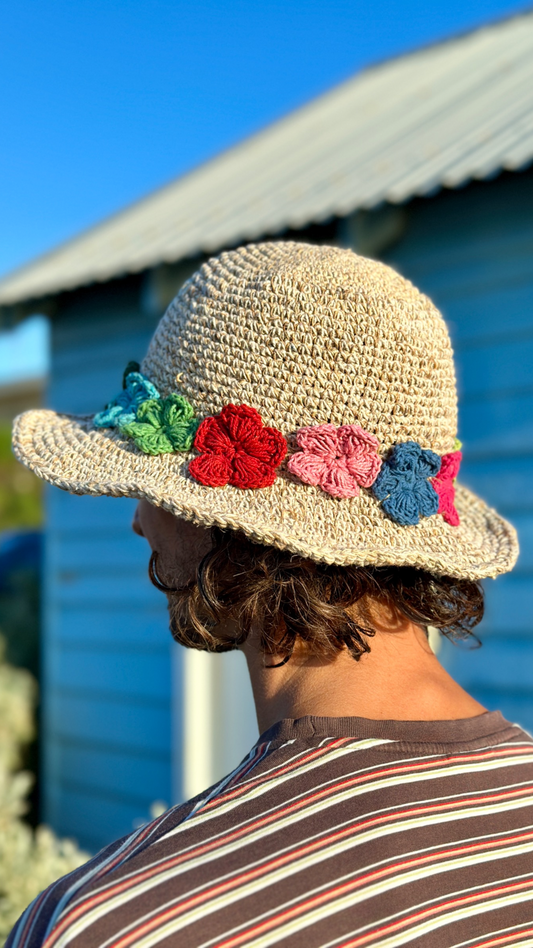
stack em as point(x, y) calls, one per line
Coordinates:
point(310, 334)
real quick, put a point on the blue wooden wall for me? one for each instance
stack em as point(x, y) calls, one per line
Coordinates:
point(107, 675)
point(472, 252)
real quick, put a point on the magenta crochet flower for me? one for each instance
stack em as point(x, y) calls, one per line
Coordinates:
point(339, 460)
point(444, 484)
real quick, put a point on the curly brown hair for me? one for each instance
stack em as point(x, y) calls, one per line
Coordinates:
point(240, 583)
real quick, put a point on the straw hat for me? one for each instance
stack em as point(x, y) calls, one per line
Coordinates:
point(352, 457)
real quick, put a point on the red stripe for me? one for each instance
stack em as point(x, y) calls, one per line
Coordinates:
point(453, 903)
point(358, 882)
point(139, 840)
point(356, 943)
point(393, 816)
point(279, 771)
point(386, 771)
point(104, 867)
point(247, 766)
point(503, 939)
point(36, 908)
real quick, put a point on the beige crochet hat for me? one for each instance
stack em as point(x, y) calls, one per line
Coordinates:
point(353, 455)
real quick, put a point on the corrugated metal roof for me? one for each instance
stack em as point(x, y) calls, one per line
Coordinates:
point(437, 117)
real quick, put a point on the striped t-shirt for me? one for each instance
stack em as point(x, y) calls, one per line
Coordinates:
point(333, 833)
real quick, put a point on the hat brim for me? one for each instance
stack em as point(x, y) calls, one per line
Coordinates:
point(68, 452)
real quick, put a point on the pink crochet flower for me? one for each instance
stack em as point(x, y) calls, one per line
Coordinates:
point(339, 460)
point(445, 486)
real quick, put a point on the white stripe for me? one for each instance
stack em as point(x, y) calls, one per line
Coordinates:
point(448, 770)
point(454, 862)
point(223, 783)
point(101, 865)
point(385, 783)
point(353, 746)
point(85, 879)
point(234, 846)
point(284, 872)
point(313, 809)
point(290, 760)
point(230, 848)
point(90, 874)
point(348, 775)
point(467, 911)
point(293, 818)
point(324, 911)
point(399, 938)
point(258, 791)
point(496, 934)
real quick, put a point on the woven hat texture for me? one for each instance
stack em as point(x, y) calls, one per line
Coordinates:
point(306, 335)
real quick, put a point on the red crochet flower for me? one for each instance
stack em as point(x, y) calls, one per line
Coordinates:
point(445, 486)
point(237, 450)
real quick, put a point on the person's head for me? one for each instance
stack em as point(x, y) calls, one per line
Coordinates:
point(293, 424)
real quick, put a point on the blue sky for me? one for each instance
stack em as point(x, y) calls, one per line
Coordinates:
point(105, 100)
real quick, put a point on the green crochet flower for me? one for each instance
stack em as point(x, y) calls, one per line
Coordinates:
point(163, 425)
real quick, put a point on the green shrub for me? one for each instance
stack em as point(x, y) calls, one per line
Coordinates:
point(29, 859)
point(20, 490)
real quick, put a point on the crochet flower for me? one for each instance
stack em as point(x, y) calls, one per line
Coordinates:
point(236, 449)
point(403, 486)
point(339, 460)
point(122, 410)
point(163, 425)
point(445, 487)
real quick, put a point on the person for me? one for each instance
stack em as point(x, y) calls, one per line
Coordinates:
point(291, 438)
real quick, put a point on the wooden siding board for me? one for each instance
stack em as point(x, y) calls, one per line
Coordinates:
point(501, 367)
point(508, 605)
point(524, 525)
point(89, 816)
point(506, 482)
point(493, 666)
point(472, 252)
point(113, 771)
point(109, 551)
point(110, 720)
point(504, 266)
point(123, 585)
point(120, 671)
point(125, 623)
point(483, 216)
point(92, 356)
point(497, 426)
point(515, 705)
point(95, 387)
point(71, 513)
point(492, 313)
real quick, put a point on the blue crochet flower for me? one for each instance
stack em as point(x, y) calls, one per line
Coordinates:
point(123, 409)
point(402, 484)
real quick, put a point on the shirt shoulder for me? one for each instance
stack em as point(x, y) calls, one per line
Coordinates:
point(42, 915)
point(294, 775)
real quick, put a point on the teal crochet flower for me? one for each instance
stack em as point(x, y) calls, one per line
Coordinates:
point(402, 484)
point(163, 425)
point(122, 410)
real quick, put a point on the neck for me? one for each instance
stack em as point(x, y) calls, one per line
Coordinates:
point(399, 679)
